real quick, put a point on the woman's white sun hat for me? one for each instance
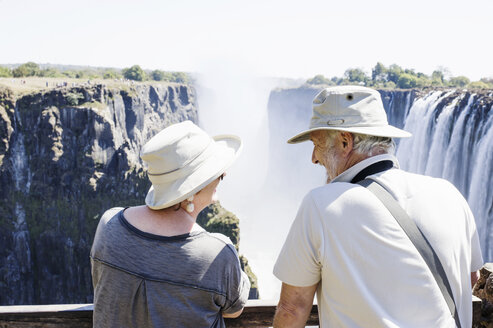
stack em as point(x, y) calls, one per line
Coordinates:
point(350, 108)
point(182, 159)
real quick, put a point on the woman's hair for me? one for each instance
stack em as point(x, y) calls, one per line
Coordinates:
point(365, 144)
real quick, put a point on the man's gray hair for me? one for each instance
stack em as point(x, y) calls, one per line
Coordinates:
point(366, 144)
point(373, 145)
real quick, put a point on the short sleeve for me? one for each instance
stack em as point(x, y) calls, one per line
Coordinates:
point(299, 262)
point(238, 286)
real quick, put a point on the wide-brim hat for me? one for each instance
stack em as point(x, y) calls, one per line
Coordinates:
point(182, 159)
point(353, 109)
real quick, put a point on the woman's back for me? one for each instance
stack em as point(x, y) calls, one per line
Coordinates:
point(147, 280)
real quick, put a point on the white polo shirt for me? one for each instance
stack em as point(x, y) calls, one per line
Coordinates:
point(370, 273)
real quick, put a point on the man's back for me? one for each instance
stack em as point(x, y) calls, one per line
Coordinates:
point(370, 273)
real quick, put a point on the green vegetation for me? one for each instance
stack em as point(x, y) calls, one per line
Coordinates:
point(134, 73)
point(27, 69)
point(216, 218)
point(5, 72)
point(395, 76)
point(73, 98)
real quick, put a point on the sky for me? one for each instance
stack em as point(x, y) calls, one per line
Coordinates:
point(295, 39)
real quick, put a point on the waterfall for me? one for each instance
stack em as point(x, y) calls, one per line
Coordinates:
point(453, 139)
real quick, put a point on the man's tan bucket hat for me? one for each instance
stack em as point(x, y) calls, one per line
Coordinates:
point(350, 108)
point(182, 159)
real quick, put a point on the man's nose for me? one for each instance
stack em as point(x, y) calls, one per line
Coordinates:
point(314, 158)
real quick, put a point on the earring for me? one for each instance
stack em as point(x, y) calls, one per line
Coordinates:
point(190, 207)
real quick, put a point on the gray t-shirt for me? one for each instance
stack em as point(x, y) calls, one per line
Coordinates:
point(146, 280)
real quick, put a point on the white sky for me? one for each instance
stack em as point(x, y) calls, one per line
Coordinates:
point(297, 39)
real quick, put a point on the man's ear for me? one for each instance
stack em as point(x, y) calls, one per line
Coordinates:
point(346, 142)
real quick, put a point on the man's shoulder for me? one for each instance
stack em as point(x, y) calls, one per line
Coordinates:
point(331, 192)
point(415, 179)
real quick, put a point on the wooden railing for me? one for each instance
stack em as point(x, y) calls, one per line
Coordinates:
point(257, 313)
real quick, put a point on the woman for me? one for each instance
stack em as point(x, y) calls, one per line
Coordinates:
point(152, 265)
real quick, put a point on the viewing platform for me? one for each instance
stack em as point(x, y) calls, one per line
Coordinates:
point(257, 313)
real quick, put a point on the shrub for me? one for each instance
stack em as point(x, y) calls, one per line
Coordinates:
point(134, 73)
point(459, 81)
point(27, 69)
point(73, 98)
point(50, 72)
point(390, 85)
point(319, 79)
point(179, 77)
point(407, 81)
point(158, 75)
point(5, 72)
point(478, 85)
point(111, 74)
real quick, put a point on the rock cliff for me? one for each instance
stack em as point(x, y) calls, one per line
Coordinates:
point(66, 155)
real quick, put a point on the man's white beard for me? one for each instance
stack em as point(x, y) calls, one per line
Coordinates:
point(330, 165)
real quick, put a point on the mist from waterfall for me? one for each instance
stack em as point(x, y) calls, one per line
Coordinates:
point(259, 187)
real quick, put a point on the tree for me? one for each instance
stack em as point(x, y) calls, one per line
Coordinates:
point(111, 74)
point(459, 81)
point(393, 73)
point(422, 81)
point(478, 85)
point(134, 73)
point(319, 79)
point(27, 69)
point(437, 77)
point(50, 72)
point(158, 75)
point(355, 75)
point(179, 77)
point(407, 81)
point(5, 72)
point(379, 72)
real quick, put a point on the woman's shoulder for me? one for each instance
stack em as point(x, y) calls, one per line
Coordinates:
point(220, 241)
point(109, 214)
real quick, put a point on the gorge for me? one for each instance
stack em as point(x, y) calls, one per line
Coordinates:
point(69, 153)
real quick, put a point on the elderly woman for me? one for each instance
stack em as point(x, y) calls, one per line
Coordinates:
point(152, 265)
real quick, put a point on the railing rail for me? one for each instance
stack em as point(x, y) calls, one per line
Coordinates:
point(257, 313)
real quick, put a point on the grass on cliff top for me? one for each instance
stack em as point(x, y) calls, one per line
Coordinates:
point(27, 85)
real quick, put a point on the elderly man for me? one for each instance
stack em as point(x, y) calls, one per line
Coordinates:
point(348, 247)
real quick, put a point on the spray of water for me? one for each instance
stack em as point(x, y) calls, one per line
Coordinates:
point(267, 183)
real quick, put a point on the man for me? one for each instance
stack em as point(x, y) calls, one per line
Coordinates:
point(346, 246)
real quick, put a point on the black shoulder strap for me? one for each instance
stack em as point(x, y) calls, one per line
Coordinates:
point(418, 239)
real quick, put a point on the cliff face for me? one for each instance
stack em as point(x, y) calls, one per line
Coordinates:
point(66, 155)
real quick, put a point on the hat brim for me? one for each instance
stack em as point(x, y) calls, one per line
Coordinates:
point(163, 195)
point(379, 131)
